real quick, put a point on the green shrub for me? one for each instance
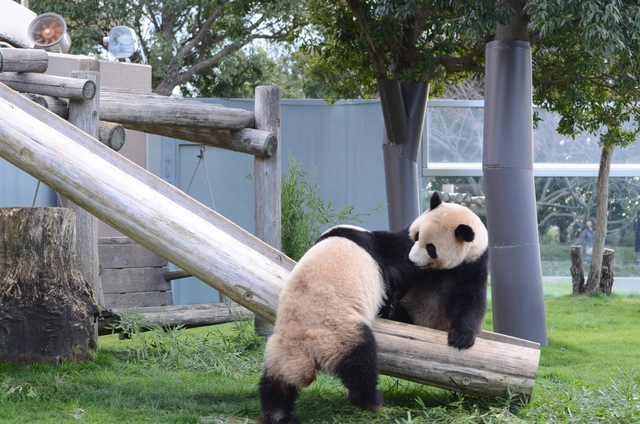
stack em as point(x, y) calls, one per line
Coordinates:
point(305, 215)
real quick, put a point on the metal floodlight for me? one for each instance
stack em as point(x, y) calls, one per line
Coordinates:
point(121, 42)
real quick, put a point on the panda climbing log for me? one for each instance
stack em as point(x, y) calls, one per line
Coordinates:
point(451, 246)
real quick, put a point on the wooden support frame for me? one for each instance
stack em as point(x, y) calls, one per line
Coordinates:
point(85, 170)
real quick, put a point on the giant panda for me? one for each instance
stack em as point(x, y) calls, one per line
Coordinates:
point(323, 321)
point(451, 246)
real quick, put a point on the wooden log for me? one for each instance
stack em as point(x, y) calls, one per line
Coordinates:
point(131, 108)
point(36, 99)
point(248, 140)
point(606, 276)
point(147, 215)
point(23, 60)
point(55, 104)
point(176, 275)
point(47, 313)
point(267, 177)
point(50, 85)
point(111, 135)
point(189, 316)
point(408, 352)
point(577, 271)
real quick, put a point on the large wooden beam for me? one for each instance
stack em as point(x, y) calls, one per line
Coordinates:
point(177, 233)
point(23, 60)
point(50, 85)
point(128, 108)
point(247, 140)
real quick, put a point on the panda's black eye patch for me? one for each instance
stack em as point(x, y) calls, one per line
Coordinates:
point(431, 250)
point(417, 236)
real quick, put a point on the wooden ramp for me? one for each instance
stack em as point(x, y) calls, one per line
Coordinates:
point(243, 268)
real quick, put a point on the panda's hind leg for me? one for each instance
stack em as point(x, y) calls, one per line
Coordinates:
point(359, 371)
point(278, 399)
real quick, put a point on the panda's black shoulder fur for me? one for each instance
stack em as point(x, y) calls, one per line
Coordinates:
point(390, 250)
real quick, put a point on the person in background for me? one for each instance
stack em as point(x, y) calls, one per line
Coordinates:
point(586, 239)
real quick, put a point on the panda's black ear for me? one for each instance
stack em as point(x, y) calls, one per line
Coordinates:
point(435, 200)
point(465, 233)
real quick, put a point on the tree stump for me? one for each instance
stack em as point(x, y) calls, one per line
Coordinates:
point(606, 275)
point(47, 308)
point(577, 272)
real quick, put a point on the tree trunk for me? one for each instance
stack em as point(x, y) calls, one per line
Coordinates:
point(47, 311)
point(403, 107)
point(577, 272)
point(507, 164)
point(602, 200)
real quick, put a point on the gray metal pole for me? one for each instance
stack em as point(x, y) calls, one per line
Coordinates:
point(403, 107)
point(514, 250)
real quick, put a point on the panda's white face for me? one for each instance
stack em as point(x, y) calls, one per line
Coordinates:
point(446, 235)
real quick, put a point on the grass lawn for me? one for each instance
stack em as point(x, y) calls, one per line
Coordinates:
point(588, 373)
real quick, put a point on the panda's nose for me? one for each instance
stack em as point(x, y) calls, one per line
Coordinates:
point(431, 250)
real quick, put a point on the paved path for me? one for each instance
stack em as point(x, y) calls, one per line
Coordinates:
point(620, 284)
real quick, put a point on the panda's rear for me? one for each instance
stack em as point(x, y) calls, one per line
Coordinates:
point(323, 322)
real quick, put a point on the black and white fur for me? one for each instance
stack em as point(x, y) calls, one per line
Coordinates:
point(451, 246)
point(323, 322)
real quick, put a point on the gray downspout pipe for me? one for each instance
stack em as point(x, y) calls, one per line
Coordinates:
point(403, 107)
point(514, 249)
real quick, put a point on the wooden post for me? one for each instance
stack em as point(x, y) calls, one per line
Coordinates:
point(148, 210)
point(577, 272)
point(84, 114)
point(267, 181)
point(46, 308)
point(606, 277)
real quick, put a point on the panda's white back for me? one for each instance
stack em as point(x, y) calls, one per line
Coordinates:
point(335, 280)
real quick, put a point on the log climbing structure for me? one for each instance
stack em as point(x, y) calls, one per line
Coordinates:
point(205, 244)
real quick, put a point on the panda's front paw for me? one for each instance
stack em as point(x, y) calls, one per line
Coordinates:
point(461, 340)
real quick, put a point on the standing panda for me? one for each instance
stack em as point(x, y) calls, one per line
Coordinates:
point(451, 246)
point(323, 322)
